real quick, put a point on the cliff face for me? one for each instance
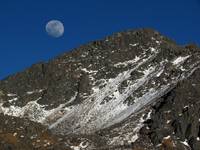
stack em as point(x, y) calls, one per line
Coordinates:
point(132, 90)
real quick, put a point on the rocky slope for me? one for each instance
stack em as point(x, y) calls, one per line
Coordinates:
point(132, 90)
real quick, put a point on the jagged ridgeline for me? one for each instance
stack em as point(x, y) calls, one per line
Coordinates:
point(132, 90)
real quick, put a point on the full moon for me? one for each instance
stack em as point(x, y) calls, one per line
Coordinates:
point(55, 28)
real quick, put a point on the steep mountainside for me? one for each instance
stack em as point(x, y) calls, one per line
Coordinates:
point(132, 90)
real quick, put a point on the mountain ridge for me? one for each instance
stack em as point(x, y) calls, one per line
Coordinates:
point(107, 87)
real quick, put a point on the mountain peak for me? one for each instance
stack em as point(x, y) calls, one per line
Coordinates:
point(108, 89)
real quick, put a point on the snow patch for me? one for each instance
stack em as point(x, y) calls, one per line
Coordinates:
point(75, 147)
point(180, 60)
point(126, 63)
point(31, 110)
point(11, 95)
point(133, 45)
point(14, 99)
point(167, 137)
point(168, 121)
point(134, 138)
point(89, 71)
point(159, 73)
point(152, 49)
point(81, 146)
point(185, 143)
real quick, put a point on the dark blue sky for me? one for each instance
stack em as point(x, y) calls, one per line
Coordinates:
point(23, 40)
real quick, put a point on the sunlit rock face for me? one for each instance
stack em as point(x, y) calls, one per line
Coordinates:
point(134, 89)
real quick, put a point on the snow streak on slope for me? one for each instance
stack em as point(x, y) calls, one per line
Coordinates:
point(180, 59)
point(86, 113)
point(95, 113)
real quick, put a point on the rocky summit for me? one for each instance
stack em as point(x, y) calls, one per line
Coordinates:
point(134, 90)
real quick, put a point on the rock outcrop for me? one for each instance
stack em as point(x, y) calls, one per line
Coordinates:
point(132, 90)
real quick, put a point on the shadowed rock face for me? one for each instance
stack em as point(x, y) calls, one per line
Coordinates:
point(132, 90)
point(177, 114)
